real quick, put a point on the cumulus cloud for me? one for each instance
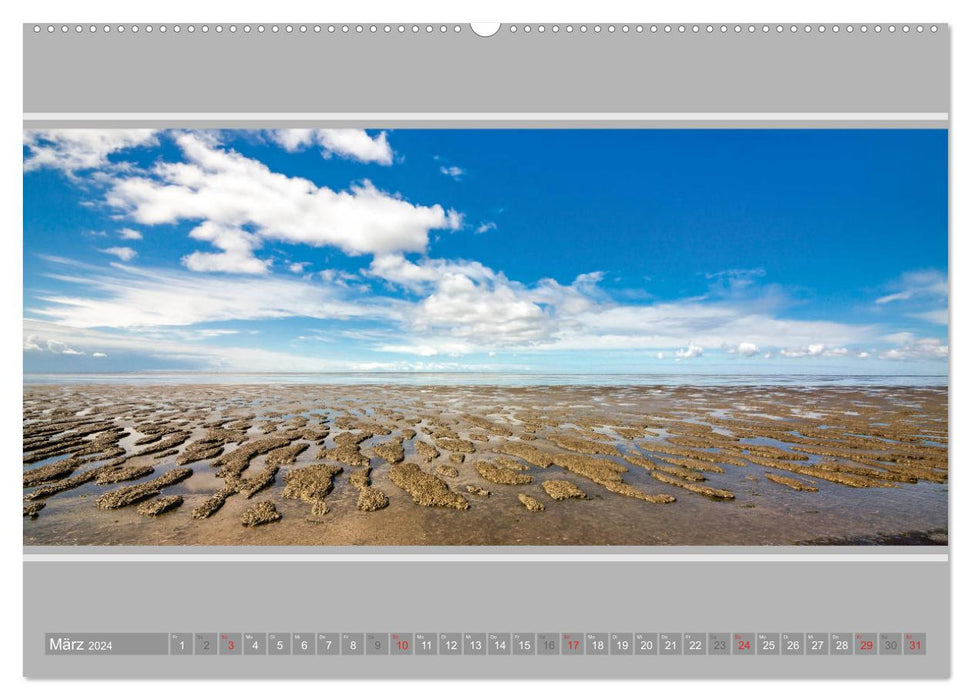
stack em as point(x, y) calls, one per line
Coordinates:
point(35, 343)
point(808, 351)
point(71, 150)
point(229, 190)
point(130, 234)
point(237, 251)
point(492, 311)
point(465, 306)
point(814, 350)
point(123, 253)
point(400, 271)
point(452, 171)
point(691, 351)
point(486, 226)
point(744, 349)
point(346, 143)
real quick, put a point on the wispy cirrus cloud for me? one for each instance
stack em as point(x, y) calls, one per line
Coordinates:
point(920, 284)
point(132, 297)
point(921, 295)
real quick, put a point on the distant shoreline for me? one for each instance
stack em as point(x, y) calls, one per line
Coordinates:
point(482, 379)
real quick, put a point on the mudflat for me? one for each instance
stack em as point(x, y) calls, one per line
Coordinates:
point(484, 465)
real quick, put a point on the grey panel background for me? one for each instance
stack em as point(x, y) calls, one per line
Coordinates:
point(153, 122)
point(483, 597)
point(461, 72)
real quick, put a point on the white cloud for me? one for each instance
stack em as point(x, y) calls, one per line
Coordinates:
point(814, 350)
point(710, 324)
point(437, 347)
point(464, 306)
point(347, 143)
point(99, 354)
point(735, 281)
point(917, 285)
point(123, 253)
point(237, 246)
point(902, 338)
point(166, 349)
point(130, 297)
point(453, 307)
point(297, 267)
point(338, 277)
point(424, 275)
point(35, 343)
point(485, 227)
point(452, 171)
point(691, 351)
point(936, 316)
point(488, 312)
point(130, 234)
point(227, 189)
point(70, 150)
point(910, 347)
point(745, 349)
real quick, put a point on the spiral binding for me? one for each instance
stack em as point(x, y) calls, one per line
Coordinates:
point(516, 29)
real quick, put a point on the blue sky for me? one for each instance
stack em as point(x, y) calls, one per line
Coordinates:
point(748, 251)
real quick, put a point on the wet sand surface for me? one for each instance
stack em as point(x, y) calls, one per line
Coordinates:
point(473, 465)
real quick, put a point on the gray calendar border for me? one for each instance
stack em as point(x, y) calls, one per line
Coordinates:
point(718, 72)
point(161, 122)
point(217, 597)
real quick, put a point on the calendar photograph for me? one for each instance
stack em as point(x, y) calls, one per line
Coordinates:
point(485, 337)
